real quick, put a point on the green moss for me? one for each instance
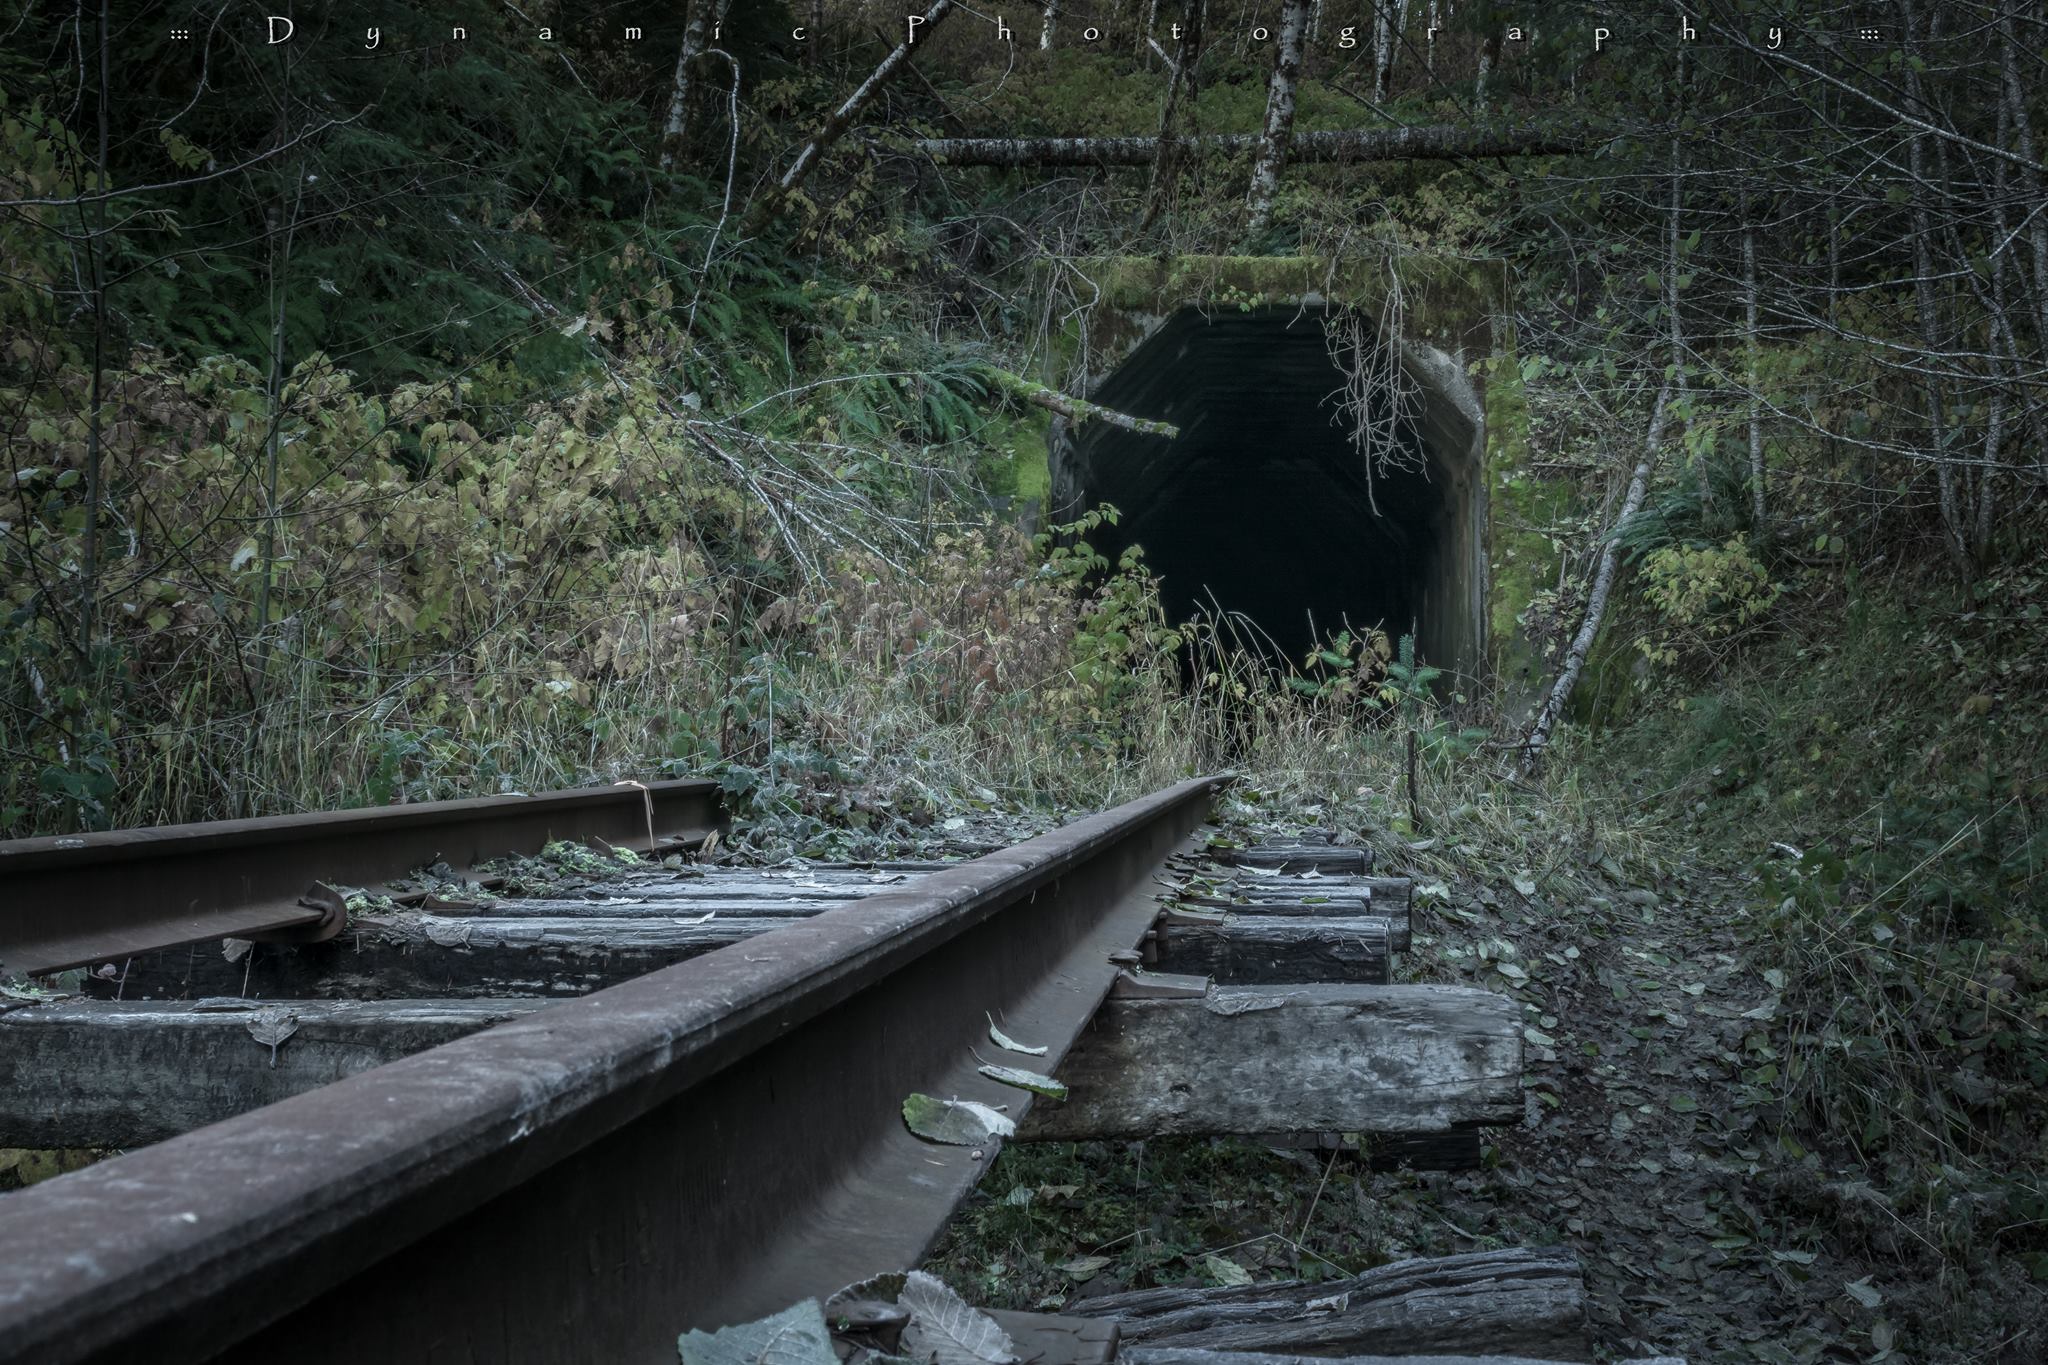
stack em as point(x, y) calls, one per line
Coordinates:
point(1521, 559)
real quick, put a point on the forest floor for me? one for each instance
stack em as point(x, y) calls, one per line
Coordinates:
point(1650, 1146)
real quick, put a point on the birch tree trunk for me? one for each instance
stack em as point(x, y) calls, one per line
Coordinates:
point(1181, 84)
point(1489, 55)
point(1390, 23)
point(1279, 116)
point(840, 119)
point(1052, 20)
point(675, 130)
point(1552, 710)
point(1753, 348)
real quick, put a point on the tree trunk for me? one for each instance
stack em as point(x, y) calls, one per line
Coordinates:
point(1279, 116)
point(1441, 142)
point(1753, 348)
point(1928, 305)
point(1489, 56)
point(1638, 489)
point(1183, 83)
point(840, 119)
point(1388, 31)
point(675, 131)
point(1052, 20)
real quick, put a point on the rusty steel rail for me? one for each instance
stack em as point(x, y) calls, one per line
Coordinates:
point(74, 900)
point(699, 1146)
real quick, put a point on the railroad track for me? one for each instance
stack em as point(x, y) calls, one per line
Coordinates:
point(481, 1128)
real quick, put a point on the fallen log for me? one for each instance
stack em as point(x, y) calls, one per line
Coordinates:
point(1440, 142)
point(1523, 1302)
point(1387, 1059)
point(1074, 409)
point(1406, 1062)
point(1254, 950)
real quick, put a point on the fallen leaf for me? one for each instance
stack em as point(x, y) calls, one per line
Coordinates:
point(1003, 1040)
point(1026, 1080)
point(1225, 1271)
point(1084, 1267)
point(271, 1027)
point(795, 1336)
point(962, 1123)
point(1864, 1292)
point(944, 1330)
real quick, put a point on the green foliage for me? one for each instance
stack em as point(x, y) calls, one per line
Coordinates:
point(1708, 598)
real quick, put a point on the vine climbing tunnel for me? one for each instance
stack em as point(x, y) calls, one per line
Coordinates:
point(1265, 507)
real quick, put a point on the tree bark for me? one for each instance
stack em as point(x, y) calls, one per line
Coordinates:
point(1051, 22)
point(1279, 116)
point(840, 119)
point(1443, 142)
point(1072, 408)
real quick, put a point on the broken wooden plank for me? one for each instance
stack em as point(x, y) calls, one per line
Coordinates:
point(1356, 1059)
point(103, 1073)
point(1529, 1303)
point(1251, 950)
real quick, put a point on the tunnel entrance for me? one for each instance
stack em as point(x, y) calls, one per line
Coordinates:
point(1264, 505)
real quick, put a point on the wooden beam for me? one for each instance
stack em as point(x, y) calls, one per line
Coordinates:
point(103, 1073)
point(389, 957)
point(1351, 1059)
point(1266, 950)
point(1404, 1061)
point(1516, 1302)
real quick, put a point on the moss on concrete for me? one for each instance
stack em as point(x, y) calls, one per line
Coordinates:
point(1522, 562)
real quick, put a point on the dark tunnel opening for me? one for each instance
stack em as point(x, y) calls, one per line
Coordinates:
point(1263, 506)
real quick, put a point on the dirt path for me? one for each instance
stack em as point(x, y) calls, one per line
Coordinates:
point(1652, 1146)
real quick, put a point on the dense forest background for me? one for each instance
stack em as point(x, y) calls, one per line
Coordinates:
point(454, 417)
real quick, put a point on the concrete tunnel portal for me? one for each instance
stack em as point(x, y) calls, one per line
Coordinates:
point(1263, 506)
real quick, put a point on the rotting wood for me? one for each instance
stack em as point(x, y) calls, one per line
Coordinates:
point(388, 957)
point(93, 1073)
point(1442, 142)
point(1525, 1302)
point(1389, 1059)
point(1281, 950)
point(1328, 859)
point(102, 1073)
